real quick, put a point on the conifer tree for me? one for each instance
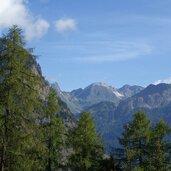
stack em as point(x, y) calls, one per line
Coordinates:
point(135, 140)
point(87, 145)
point(54, 132)
point(156, 147)
point(145, 145)
point(19, 95)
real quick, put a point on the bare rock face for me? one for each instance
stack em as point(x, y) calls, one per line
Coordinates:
point(129, 91)
point(44, 89)
point(154, 96)
point(80, 99)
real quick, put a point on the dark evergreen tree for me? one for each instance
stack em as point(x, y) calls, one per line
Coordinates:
point(145, 146)
point(156, 147)
point(87, 145)
point(19, 84)
point(135, 140)
point(54, 132)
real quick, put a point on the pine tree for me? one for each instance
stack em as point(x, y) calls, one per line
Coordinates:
point(54, 132)
point(156, 147)
point(135, 139)
point(19, 85)
point(87, 145)
point(145, 145)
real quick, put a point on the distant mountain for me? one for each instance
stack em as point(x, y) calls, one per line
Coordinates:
point(80, 99)
point(77, 92)
point(155, 101)
point(154, 96)
point(129, 91)
point(96, 93)
point(106, 121)
point(67, 98)
point(111, 108)
point(102, 113)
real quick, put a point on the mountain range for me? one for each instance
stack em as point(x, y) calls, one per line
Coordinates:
point(80, 99)
point(111, 108)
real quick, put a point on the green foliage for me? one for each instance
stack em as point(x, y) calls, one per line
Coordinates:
point(156, 147)
point(110, 163)
point(138, 169)
point(135, 139)
point(87, 145)
point(18, 100)
point(54, 132)
point(29, 140)
point(145, 145)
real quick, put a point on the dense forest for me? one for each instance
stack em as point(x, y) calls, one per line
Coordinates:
point(35, 136)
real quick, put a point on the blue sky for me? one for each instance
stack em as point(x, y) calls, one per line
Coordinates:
point(80, 42)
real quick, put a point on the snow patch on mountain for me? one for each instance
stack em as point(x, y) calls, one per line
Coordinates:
point(110, 88)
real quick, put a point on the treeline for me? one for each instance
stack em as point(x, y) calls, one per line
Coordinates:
point(34, 137)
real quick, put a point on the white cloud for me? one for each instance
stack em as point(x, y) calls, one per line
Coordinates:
point(166, 81)
point(16, 12)
point(38, 29)
point(65, 24)
point(113, 51)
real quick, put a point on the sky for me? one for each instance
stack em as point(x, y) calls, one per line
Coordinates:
point(79, 42)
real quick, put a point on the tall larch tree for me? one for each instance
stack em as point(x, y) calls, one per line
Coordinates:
point(87, 145)
point(156, 148)
point(145, 145)
point(54, 130)
point(135, 139)
point(19, 95)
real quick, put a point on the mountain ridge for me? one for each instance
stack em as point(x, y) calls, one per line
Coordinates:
point(80, 99)
point(109, 116)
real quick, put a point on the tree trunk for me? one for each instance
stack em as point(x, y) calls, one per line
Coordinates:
point(140, 156)
point(3, 151)
point(49, 159)
point(2, 159)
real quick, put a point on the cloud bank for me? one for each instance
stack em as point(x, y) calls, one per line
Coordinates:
point(67, 24)
point(16, 12)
